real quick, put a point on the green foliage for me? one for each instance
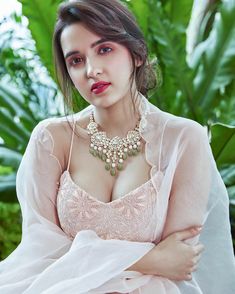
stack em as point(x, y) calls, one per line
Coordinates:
point(214, 59)
point(178, 11)
point(141, 12)
point(42, 16)
point(169, 42)
point(10, 228)
point(228, 174)
point(223, 143)
point(25, 99)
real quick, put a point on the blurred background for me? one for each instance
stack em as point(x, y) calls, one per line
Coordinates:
point(193, 43)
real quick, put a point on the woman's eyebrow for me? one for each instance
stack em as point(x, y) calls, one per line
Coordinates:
point(100, 41)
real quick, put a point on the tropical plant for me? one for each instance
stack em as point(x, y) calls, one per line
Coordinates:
point(10, 228)
point(26, 97)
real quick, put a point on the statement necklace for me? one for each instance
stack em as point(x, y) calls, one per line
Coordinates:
point(113, 151)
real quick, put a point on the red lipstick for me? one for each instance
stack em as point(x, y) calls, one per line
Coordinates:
point(99, 87)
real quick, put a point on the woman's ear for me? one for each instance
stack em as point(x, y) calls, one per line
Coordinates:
point(138, 61)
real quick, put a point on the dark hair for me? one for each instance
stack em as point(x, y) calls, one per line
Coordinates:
point(110, 19)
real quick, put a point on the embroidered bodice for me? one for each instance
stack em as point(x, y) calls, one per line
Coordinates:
point(131, 217)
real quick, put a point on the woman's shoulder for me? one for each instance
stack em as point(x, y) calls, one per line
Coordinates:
point(53, 135)
point(187, 132)
point(175, 128)
point(63, 125)
point(59, 129)
point(180, 125)
point(54, 126)
point(185, 125)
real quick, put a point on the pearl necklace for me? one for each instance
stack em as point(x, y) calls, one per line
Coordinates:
point(113, 151)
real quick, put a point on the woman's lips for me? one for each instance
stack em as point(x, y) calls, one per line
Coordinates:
point(100, 89)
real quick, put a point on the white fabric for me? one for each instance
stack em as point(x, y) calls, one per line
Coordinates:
point(190, 192)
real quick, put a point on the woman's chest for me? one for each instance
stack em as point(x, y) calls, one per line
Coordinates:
point(131, 217)
point(90, 174)
point(120, 207)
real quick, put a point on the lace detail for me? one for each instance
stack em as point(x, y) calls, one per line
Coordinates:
point(131, 217)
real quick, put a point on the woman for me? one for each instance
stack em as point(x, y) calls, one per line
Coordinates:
point(110, 195)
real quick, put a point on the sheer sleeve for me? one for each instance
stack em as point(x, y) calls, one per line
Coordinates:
point(47, 261)
point(36, 184)
point(191, 183)
point(41, 170)
point(198, 196)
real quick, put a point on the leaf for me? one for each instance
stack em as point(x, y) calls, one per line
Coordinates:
point(13, 128)
point(9, 157)
point(14, 101)
point(196, 29)
point(214, 59)
point(223, 143)
point(42, 17)
point(231, 193)
point(141, 11)
point(228, 175)
point(8, 188)
point(178, 11)
point(8, 139)
point(10, 229)
point(170, 43)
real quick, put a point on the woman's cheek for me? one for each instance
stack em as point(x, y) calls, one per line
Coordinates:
point(75, 77)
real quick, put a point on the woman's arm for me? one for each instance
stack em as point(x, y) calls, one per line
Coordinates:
point(42, 241)
point(172, 257)
point(191, 182)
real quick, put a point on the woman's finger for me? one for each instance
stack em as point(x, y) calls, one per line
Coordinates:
point(198, 249)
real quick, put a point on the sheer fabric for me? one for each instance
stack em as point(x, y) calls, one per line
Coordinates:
point(187, 190)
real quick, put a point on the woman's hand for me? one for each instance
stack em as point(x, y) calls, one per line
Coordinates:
point(174, 259)
point(171, 258)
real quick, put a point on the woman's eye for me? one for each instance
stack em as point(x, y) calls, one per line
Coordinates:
point(75, 61)
point(104, 49)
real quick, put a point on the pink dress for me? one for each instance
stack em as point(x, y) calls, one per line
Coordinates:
point(75, 244)
point(132, 217)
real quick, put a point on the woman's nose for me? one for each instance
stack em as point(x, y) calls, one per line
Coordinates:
point(92, 69)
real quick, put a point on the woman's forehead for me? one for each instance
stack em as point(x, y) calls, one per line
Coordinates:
point(78, 35)
point(78, 30)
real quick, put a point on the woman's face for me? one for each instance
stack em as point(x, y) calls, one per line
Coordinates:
point(88, 63)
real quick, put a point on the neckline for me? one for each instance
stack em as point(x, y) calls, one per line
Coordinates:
point(66, 172)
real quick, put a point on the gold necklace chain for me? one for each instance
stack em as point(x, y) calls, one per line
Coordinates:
point(113, 151)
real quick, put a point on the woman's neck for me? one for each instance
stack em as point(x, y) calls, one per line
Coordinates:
point(118, 119)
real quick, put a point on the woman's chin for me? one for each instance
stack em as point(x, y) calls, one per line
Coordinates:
point(105, 102)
